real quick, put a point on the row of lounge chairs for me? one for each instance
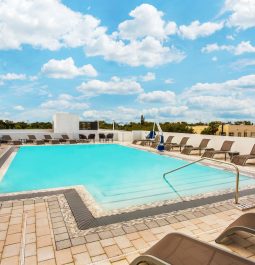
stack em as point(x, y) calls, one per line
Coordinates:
point(202, 147)
point(179, 249)
point(64, 139)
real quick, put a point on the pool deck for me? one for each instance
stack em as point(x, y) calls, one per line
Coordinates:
point(38, 231)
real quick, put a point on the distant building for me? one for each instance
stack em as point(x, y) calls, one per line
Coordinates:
point(237, 130)
point(230, 130)
point(199, 128)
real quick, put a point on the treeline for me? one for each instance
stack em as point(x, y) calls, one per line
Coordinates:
point(24, 125)
point(148, 126)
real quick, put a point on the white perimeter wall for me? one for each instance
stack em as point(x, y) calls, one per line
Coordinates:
point(242, 144)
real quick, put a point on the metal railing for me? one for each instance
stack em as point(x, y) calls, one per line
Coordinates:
point(199, 160)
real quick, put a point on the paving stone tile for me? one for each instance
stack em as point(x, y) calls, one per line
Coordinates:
point(48, 262)
point(118, 232)
point(63, 244)
point(139, 243)
point(81, 258)
point(141, 227)
point(44, 241)
point(60, 230)
point(32, 260)
point(78, 249)
point(64, 256)
point(45, 253)
point(112, 251)
point(107, 242)
point(172, 220)
point(95, 248)
point(10, 261)
point(103, 258)
point(129, 229)
point(30, 250)
point(11, 250)
point(105, 234)
point(151, 224)
point(123, 242)
point(162, 222)
point(13, 238)
point(78, 241)
point(61, 237)
point(92, 237)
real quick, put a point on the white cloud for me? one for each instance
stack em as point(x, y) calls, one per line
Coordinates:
point(235, 85)
point(242, 47)
point(196, 29)
point(46, 24)
point(225, 100)
point(148, 52)
point(169, 81)
point(157, 96)
point(19, 107)
point(243, 63)
point(242, 13)
point(67, 69)
point(139, 41)
point(124, 114)
point(148, 77)
point(214, 58)
point(64, 102)
point(147, 21)
point(24, 23)
point(230, 37)
point(115, 86)
point(12, 76)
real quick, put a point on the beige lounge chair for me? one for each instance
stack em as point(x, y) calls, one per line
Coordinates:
point(7, 139)
point(242, 159)
point(169, 140)
point(66, 139)
point(182, 143)
point(179, 249)
point(48, 139)
point(225, 149)
point(33, 139)
point(245, 222)
point(202, 146)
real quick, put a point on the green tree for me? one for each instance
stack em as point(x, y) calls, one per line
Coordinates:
point(142, 120)
point(212, 128)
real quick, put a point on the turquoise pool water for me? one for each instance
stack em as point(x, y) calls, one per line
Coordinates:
point(115, 175)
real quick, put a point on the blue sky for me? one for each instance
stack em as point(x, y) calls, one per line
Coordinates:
point(115, 60)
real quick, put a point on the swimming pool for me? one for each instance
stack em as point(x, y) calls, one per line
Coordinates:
point(116, 176)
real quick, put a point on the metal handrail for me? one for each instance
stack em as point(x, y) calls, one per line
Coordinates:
point(211, 159)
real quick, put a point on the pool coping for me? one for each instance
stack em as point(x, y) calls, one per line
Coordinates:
point(85, 220)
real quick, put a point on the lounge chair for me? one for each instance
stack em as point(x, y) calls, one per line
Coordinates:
point(202, 146)
point(225, 149)
point(135, 141)
point(66, 139)
point(245, 222)
point(178, 249)
point(109, 137)
point(7, 139)
point(242, 159)
point(92, 137)
point(182, 143)
point(83, 138)
point(101, 137)
point(156, 142)
point(33, 139)
point(48, 139)
point(169, 140)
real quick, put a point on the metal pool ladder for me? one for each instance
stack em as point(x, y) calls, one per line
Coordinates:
point(199, 160)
